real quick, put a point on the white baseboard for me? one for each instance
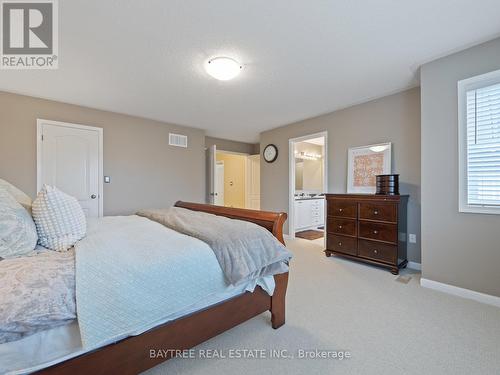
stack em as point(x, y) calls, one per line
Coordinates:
point(415, 266)
point(461, 292)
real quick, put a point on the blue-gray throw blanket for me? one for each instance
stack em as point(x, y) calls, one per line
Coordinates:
point(245, 250)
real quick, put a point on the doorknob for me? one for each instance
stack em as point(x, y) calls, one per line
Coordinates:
point(93, 196)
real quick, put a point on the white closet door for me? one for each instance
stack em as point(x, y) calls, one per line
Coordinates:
point(219, 184)
point(211, 173)
point(69, 159)
point(253, 182)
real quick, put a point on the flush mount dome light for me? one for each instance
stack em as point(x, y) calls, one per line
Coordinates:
point(379, 148)
point(223, 68)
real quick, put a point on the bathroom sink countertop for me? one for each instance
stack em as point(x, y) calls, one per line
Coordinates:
point(309, 198)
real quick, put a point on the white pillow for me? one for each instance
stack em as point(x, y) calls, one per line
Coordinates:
point(18, 195)
point(59, 218)
point(17, 230)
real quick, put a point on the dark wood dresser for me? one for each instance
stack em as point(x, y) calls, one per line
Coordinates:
point(368, 227)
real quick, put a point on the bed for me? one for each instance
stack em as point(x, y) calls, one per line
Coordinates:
point(179, 331)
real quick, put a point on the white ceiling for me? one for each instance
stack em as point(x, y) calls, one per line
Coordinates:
point(302, 58)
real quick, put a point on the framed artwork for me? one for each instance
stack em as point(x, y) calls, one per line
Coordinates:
point(364, 163)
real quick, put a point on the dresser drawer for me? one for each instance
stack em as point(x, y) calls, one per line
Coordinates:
point(377, 251)
point(342, 226)
point(315, 211)
point(316, 222)
point(341, 244)
point(378, 211)
point(378, 231)
point(316, 202)
point(343, 208)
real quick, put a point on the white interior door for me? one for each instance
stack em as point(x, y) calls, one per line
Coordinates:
point(219, 184)
point(211, 161)
point(253, 182)
point(69, 157)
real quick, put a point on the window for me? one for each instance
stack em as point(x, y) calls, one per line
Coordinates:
point(479, 144)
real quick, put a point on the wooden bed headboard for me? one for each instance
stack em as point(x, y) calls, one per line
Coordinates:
point(272, 221)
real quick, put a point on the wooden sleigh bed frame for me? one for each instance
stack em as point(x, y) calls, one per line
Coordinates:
point(132, 355)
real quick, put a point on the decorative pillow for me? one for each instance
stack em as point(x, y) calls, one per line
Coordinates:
point(59, 218)
point(23, 199)
point(17, 230)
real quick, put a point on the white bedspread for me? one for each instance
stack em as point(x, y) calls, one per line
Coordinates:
point(132, 272)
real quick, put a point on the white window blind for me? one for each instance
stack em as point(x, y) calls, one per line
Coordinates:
point(483, 146)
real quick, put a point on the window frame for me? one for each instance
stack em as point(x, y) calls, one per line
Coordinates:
point(465, 85)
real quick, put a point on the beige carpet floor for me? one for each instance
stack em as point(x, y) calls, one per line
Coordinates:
point(387, 326)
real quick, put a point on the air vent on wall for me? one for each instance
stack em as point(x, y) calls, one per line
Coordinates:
point(177, 140)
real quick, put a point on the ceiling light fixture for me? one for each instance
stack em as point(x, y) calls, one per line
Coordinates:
point(378, 148)
point(223, 68)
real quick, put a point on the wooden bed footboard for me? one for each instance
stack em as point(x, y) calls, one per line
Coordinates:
point(272, 221)
point(139, 353)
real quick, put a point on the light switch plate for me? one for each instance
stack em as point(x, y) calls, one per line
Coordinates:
point(412, 238)
point(107, 179)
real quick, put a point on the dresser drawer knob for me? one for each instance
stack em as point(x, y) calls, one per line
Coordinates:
point(375, 231)
point(341, 209)
point(340, 226)
point(375, 251)
point(340, 243)
point(375, 212)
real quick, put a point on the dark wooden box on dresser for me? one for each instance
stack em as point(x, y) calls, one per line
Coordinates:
point(368, 227)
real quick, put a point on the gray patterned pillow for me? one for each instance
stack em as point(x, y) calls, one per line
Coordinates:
point(17, 231)
point(59, 218)
point(23, 199)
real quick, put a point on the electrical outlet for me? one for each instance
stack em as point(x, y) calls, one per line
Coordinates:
point(412, 237)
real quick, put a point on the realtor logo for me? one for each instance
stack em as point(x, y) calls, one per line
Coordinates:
point(29, 34)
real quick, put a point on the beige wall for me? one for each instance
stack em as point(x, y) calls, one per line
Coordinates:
point(145, 171)
point(460, 249)
point(234, 179)
point(395, 118)
point(233, 146)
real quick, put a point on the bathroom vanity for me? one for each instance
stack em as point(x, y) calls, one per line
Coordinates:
point(309, 212)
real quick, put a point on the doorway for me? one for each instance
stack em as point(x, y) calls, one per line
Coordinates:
point(233, 179)
point(70, 157)
point(308, 171)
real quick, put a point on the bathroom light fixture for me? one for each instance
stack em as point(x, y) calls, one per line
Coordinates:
point(307, 155)
point(223, 68)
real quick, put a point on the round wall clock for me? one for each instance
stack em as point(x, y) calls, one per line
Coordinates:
point(270, 153)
